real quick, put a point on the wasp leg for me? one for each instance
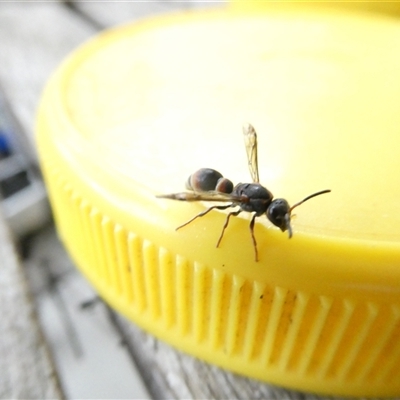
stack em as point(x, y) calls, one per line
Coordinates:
point(204, 213)
point(234, 213)
point(253, 237)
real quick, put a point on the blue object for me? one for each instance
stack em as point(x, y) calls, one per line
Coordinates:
point(5, 149)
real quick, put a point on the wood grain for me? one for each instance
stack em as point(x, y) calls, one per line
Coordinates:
point(26, 369)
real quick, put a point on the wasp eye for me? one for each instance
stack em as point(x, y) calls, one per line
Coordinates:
point(278, 213)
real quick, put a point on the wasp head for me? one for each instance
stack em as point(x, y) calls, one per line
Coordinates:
point(278, 213)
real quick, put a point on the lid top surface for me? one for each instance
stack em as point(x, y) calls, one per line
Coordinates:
point(155, 101)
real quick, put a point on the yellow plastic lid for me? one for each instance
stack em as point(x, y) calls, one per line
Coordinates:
point(135, 111)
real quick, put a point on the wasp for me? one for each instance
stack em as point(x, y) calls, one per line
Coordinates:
point(207, 184)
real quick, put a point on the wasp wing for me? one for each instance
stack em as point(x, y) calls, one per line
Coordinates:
point(202, 196)
point(250, 140)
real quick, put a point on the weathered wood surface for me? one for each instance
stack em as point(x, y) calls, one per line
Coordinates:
point(34, 38)
point(87, 348)
point(26, 369)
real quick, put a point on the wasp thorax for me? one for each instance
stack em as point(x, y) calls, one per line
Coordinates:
point(207, 179)
point(254, 197)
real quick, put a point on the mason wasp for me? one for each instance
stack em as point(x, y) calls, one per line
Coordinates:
point(207, 184)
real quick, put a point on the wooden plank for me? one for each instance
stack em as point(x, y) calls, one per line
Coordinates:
point(85, 346)
point(35, 38)
point(26, 369)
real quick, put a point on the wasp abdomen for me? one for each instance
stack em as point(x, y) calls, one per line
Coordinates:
point(208, 179)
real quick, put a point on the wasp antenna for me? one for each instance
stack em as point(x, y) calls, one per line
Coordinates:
point(308, 198)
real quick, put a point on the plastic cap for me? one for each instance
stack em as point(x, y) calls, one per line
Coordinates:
point(135, 111)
